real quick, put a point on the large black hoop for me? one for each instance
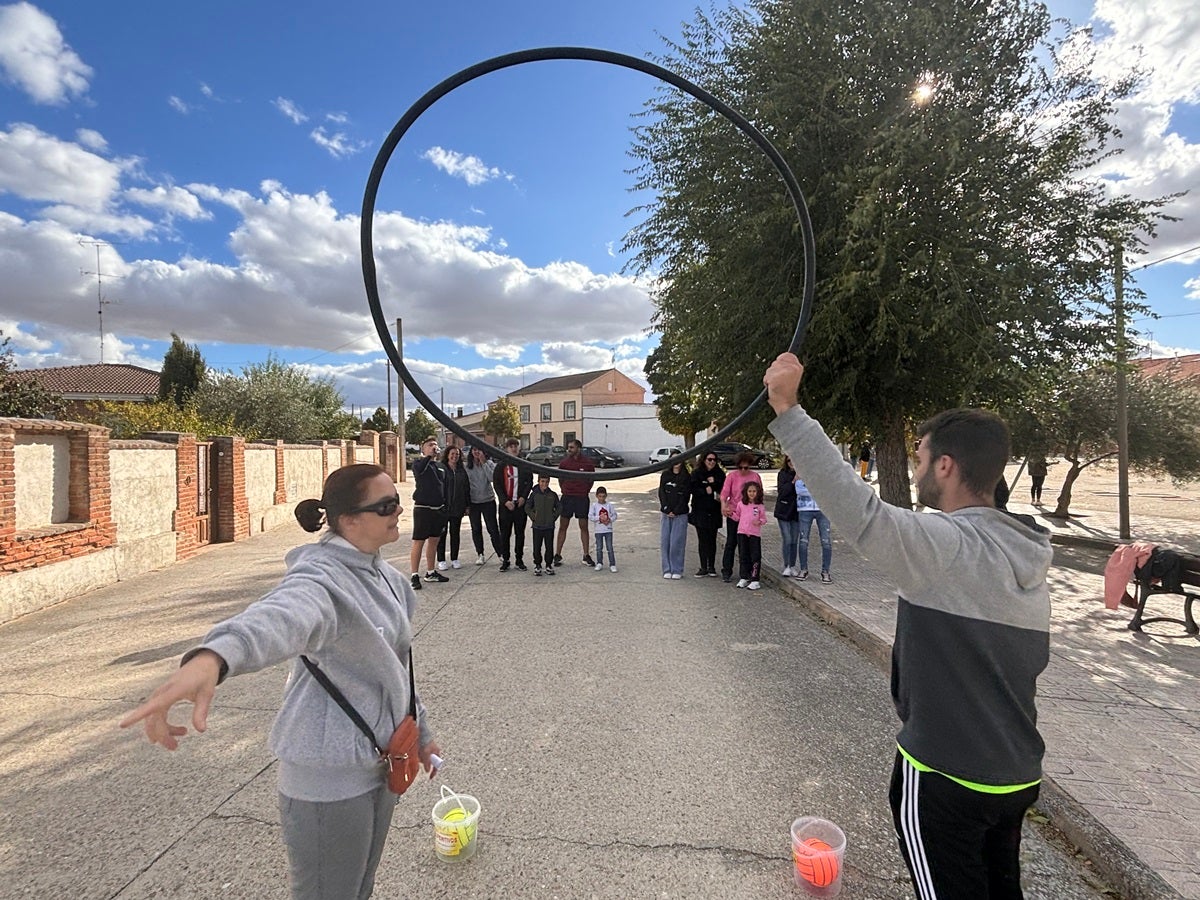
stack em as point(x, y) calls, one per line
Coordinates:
point(617, 59)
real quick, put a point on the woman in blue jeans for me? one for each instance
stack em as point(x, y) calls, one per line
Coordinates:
point(809, 513)
point(787, 515)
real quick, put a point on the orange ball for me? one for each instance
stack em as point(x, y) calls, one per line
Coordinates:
point(819, 868)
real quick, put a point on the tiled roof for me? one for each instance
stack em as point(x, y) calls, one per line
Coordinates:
point(560, 383)
point(103, 378)
point(1181, 367)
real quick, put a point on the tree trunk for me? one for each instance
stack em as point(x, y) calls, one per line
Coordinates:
point(891, 462)
point(1063, 509)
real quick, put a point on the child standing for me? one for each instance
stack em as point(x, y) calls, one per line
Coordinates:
point(543, 508)
point(751, 516)
point(603, 514)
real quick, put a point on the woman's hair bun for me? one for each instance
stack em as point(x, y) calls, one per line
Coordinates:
point(310, 514)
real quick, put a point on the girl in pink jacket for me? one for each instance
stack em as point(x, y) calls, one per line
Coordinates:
point(751, 516)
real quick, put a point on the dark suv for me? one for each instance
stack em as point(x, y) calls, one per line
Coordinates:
point(727, 454)
point(603, 458)
point(547, 454)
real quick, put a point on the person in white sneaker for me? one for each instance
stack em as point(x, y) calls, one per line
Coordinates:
point(458, 494)
point(810, 513)
point(481, 506)
point(787, 516)
point(750, 515)
point(602, 514)
point(674, 496)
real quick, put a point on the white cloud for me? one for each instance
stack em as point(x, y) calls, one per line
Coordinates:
point(34, 57)
point(99, 221)
point(178, 105)
point(175, 200)
point(38, 166)
point(290, 109)
point(470, 169)
point(206, 90)
point(296, 281)
point(1162, 38)
point(338, 145)
point(91, 139)
point(338, 118)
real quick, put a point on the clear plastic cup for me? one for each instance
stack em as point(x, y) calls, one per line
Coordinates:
point(818, 849)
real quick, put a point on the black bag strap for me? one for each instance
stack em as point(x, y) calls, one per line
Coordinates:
point(349, 709)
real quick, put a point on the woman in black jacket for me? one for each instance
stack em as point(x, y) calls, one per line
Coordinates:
point(458, 495)
point(787, 515)
point(674, 493)
point(706, 483)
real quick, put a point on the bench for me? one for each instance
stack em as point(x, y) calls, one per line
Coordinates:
point(1189, 578)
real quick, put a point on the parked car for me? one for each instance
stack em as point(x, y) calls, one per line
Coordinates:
point(547, 454)
point(663, 453)
point(727, 454)
point(603, 458)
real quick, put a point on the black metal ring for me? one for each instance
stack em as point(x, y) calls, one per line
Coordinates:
point(605, 56)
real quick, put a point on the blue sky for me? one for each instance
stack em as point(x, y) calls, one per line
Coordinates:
point(219, 153)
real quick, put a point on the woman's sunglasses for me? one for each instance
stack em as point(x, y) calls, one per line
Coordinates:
point(385, 507)
point(710, 459)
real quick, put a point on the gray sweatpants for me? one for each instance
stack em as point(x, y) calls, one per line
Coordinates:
point(334, 847)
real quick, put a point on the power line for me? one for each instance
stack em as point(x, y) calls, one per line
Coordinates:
point(1164, 259)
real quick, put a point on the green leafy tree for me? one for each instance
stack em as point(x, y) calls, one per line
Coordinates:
point(128, 420)
point(380, 420)
point(419, 427)
point(1076, 419)
point(943, 149)
point(502, 420)
point(20, 395)
point(680, 402)
point(274, 400)
point(183, 372)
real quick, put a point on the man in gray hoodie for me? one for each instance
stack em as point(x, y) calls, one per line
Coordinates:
point(972, 636)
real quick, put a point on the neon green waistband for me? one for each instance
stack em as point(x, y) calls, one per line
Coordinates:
point(970, 785)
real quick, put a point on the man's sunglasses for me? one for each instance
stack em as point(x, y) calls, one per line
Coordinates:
point(385, 507)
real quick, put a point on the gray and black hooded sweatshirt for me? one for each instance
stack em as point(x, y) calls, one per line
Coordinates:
point(350, 612)
point(973, 621)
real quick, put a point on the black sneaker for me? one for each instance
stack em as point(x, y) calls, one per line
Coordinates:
point(549, 570)
point(557, 559)
point(727, 578)
point(588, 561)
point(700, 573)
point(416, 581)
point(712, 573)
point(537, 570)
point(504, 566)
point(435, 575)
point(522, 566)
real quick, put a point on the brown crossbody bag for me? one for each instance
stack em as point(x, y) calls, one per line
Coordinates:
point(402, 756)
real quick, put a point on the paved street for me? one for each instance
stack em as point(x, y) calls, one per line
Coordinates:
point(627, 737)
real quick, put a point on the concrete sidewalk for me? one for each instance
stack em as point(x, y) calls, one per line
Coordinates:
point(1120, 711)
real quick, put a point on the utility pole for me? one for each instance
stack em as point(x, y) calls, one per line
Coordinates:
point(387, 374)
point(400, 429)
point(1122, 391)
point(100, 301)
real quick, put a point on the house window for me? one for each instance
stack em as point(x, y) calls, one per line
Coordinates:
point(547, 415)
point(525, 413)
point(569, 410)
point(547, 439)
point(525, 441)
point(568, 436)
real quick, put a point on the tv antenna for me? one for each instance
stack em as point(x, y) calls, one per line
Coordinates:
point(101, 302)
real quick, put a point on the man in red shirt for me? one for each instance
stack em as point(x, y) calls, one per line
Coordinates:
point(512, 484)
point(575, 503)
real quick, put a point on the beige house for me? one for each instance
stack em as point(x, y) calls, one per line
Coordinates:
point(552, 409)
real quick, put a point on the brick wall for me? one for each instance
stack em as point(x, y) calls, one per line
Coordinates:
point(90, 525)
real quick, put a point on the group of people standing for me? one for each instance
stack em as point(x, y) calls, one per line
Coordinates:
point(501, 500)
point(710, 497)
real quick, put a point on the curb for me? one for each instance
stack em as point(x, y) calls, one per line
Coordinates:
point(1108, 853)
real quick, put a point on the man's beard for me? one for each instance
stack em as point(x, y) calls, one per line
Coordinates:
point(928, 492)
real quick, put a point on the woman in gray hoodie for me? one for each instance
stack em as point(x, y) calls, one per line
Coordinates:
point(344, 607)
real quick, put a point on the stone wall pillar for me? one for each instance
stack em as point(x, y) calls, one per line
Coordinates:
point(233, 507)
point(185, 520)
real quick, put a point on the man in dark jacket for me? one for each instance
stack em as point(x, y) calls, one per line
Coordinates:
point(429, 513)
point(512, 484)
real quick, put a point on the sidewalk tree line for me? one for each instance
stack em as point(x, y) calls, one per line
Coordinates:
point(944, 151)
point(502, 420)
point(1075, 418)
point(419, 427)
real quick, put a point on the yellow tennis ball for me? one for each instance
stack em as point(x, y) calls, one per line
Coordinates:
point(463, 833)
